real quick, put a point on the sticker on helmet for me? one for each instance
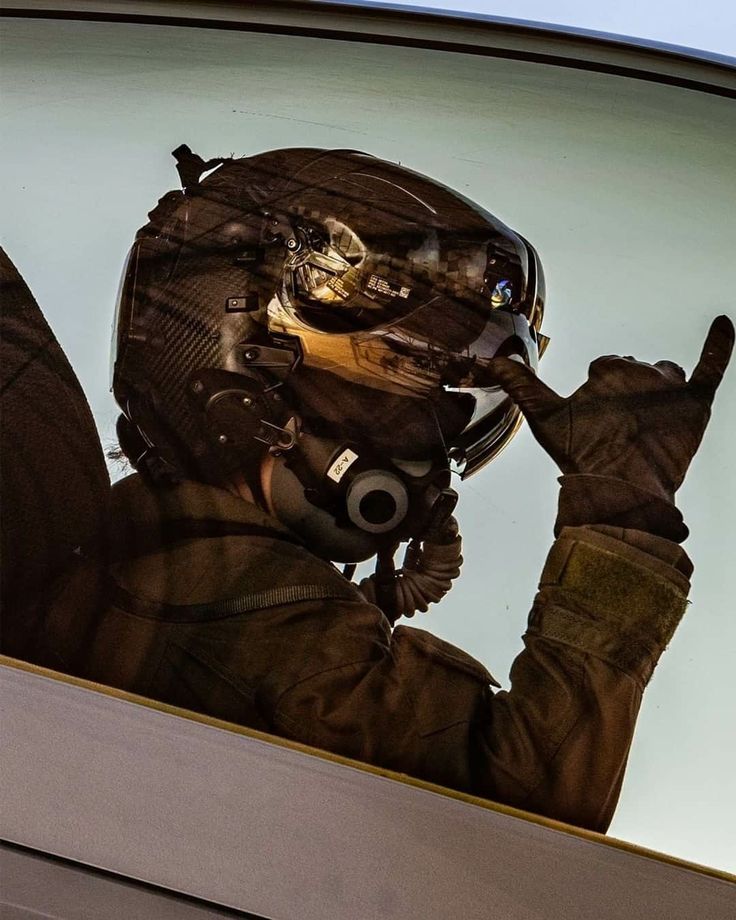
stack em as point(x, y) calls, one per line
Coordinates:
point(378, 288)
point(339, 286)
point(343, 463)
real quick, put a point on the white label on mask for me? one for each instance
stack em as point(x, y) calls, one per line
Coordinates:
point(343, 463)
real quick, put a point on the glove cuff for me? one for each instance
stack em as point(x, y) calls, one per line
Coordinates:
point(588, 499)
point(609, 600)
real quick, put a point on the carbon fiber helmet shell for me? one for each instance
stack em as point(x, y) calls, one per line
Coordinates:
point(388, 293)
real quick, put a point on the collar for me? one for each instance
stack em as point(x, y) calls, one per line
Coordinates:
point(143, 518)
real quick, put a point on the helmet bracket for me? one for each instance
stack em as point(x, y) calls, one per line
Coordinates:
point(280, 361)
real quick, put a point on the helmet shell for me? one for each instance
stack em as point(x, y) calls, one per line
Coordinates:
point(392, 292)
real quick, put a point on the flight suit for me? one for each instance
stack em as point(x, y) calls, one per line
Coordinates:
point(206, 602)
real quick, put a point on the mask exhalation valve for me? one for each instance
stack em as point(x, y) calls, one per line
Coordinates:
point(377, 501)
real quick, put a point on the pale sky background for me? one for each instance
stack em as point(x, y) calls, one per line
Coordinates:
point(709, 26)
point(627, 189)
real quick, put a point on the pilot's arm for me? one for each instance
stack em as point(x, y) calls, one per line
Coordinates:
point(557, 741)
point(611, 594)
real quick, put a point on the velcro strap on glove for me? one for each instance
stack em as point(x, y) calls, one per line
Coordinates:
point(609, 604)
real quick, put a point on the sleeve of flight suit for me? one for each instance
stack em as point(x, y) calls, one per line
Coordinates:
point(556, 743)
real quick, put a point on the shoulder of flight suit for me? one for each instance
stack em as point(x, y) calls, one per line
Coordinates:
point(235, 548)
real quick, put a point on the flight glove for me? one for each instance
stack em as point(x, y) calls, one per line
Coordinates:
point(631, 423)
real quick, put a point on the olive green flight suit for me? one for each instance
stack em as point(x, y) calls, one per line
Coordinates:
point(252, 628)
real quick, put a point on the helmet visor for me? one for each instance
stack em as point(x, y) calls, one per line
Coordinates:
point(433, 363)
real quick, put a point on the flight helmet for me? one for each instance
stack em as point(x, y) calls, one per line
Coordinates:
point(335, 310)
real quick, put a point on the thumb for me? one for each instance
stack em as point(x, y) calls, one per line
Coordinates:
point(534, 398)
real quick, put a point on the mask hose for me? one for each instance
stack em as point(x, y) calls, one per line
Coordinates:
point(425, 577)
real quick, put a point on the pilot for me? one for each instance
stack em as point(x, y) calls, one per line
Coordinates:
point(309, 343)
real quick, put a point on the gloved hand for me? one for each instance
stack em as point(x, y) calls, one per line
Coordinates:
point(635, 422)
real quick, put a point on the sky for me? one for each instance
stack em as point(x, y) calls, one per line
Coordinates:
point(709, 25)
point(629, 200)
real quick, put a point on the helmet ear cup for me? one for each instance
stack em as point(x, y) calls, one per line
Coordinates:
point(377, 501)
point(237, 410)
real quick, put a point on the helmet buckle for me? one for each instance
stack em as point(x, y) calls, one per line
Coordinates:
point(276, 438)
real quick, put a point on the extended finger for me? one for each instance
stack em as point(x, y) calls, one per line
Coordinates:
point(533, 397)
point(715, 356)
